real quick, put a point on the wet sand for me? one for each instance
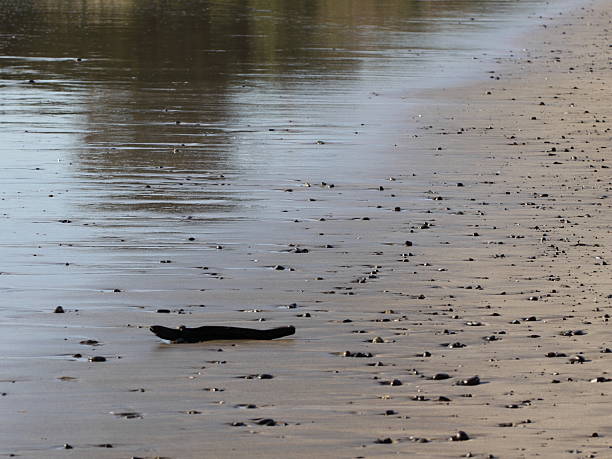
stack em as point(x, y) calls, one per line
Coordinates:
point(489, 256)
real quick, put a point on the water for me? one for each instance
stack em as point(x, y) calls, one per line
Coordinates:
point(128, 126)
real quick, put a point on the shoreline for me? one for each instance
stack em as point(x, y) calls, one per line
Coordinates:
point(528, 222)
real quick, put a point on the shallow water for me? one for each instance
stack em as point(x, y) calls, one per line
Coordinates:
point(129, 126)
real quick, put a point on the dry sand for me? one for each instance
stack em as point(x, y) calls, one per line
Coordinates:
point(514, 265)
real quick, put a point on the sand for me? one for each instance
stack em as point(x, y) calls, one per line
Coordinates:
point(497, 239)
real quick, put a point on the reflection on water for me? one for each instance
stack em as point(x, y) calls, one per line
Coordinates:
point(135, 130)
point(152, 101)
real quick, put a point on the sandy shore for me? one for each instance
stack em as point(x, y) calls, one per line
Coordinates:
point(488, 257)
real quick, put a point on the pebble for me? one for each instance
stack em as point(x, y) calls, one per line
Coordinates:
point(97, 358)
point(460, 436)
point(59, 310)
point(418, 439)
point(357, 354)
point(600, 379)
point(128, 415)
point(456, 345)
point(473, 381)
point(440, 376)
point(394, 382)
point(383, 441)
point(260, 376)
point(577, 359)
point(572, 333)
point(555, 354)
point(268, 422)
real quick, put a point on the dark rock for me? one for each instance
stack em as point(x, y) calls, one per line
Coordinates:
point(473, 381)
point(577, 358)
point(357, 354)
point(265, 422)
point(460, 436)
point(383, 441)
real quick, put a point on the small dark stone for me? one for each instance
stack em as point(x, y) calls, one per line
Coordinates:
point(59, 310)
point(269, 422)
point(163, 311)
point(383, 441)
point(577, 359)
point(442, 398)
point(555, 354)
point(279, 268)
point(356, 354)
point(67, 446)
point(460, 436)
point(440, 376)
point(97, 358)
point(394, 382)
point(418, 439)
point(473, 381)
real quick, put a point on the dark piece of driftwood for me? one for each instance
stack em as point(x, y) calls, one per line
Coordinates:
point(210, 333)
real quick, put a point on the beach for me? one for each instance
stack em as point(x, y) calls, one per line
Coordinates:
point(482, 250)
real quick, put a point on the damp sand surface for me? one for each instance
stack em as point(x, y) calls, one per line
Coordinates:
point(488, 256)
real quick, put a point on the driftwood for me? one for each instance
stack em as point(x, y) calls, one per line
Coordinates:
point(210, 333)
